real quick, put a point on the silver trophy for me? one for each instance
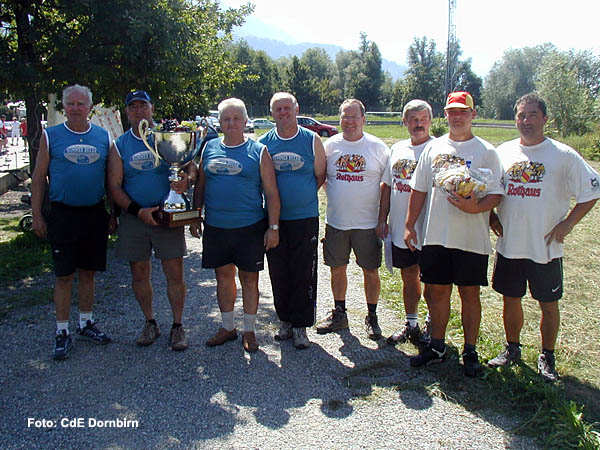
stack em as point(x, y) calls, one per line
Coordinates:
point(176, 148)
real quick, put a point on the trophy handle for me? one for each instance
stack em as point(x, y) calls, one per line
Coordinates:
point(143, 129)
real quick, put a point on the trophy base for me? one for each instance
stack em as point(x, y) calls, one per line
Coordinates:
point(177, 219)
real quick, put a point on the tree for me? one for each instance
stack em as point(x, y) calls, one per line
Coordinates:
point(258, 79)
point(570, 105)
point(426, 73)
point(512, 77)
point(173, 49)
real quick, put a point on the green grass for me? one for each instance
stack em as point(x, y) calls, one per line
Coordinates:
point(23, 255)
point(564, 415)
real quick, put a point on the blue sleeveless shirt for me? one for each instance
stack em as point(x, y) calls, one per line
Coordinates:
point(143, 182)
point(77, 168)
point(233, 195)
point(294, 162)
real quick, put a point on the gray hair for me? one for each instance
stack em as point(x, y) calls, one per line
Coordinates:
point(417, 105)
point(349, 101)
point(235, 103)
point(76, 87)
point(281, 96)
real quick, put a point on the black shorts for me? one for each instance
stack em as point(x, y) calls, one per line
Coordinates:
point(244, 247)
point(512, 275)
point(441, 265)
point(78, 237)
point(404, 257)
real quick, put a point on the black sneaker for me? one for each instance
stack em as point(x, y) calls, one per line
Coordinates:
point(337, 320)
point(546, 367)
point(471, 365)
point(372, 326)
point(91, 333)
point(429, 356)
point(62, 345)
point(510, 355)
point(405, 334)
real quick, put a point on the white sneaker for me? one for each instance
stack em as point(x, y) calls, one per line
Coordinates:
point(285, 332)
point(300, 339)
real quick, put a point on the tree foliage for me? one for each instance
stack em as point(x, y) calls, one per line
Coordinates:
point(512, 77)
point(569, 101)
point(174, 49)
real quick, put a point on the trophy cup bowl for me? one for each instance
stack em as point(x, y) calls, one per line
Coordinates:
point(176, 148)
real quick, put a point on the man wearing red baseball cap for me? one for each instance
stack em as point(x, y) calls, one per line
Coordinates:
point(455, 234)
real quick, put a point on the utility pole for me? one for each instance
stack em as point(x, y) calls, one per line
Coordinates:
point(451, 48)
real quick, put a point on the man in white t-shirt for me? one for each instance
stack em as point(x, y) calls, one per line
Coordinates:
point(541, 177)
point(455, 234)
point(416, 116)
point(356, 162)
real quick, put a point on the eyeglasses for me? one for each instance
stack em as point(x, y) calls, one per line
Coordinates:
point(343, 117)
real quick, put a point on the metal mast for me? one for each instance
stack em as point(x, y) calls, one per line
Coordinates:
point(450, 69)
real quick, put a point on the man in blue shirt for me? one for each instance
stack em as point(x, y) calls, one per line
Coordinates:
point(299, 161)
point(138, 185)
point(72, 158)
point(234, 172)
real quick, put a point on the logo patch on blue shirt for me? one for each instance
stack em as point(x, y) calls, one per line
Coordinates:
point(286, 161)
point(82, 154)
point(224, 166)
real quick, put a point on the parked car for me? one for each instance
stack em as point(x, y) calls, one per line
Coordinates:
point(321, 129)
point(263, 123)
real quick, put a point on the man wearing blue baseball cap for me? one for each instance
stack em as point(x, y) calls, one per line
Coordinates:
point(138, 185)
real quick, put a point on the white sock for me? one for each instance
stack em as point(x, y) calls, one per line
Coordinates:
point(227, 319)
point(249, 322)
point(83, 318)
point(412, 319)
point(62, 325)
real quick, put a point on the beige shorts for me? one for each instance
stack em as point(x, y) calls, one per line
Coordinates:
point(365, 244)
point(137, 239)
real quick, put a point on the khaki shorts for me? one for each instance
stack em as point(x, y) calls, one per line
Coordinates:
point(137, 239)
point(365, 244)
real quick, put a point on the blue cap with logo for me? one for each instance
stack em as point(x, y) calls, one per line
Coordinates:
point(137, 95)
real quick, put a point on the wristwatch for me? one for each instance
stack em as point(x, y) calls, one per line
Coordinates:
point(274, 227)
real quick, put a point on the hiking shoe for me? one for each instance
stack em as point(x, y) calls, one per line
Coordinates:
point(429, 356)
point(285, 332)
point(249, 341)
point(91, 333)
point(405, 334)
point(178, 340)
point(546, 367)
point(222, 336)
point(300, 338)
point(149, 335)
point(510, 355)
point(471, 365)
point(372, 326)
point(337, 320)
point(62, 345)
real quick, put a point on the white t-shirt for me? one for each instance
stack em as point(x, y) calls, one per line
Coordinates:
point(398, 173)
point(354, 174)
point(540, 181)
point(445, 224)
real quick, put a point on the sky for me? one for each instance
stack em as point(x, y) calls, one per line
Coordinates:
point(485, 29)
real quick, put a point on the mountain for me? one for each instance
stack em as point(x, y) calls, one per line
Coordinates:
point(277, 49)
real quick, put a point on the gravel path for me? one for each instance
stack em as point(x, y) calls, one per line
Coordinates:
point(341, 393)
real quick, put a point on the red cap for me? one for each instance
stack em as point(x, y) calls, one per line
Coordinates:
point(459, 100)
